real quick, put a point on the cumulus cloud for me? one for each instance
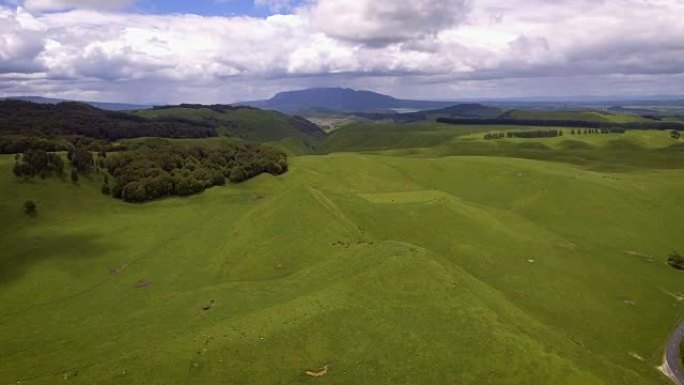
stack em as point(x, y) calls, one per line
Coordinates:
point(20, 44)
point(382, 22)
point(423, 48)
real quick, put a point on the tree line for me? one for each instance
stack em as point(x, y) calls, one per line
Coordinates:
point(524, 134)
point(163, 169)
point(71, 118)
point(565, 123)
point(589, 131)
point(17, 144)
point(550, 133)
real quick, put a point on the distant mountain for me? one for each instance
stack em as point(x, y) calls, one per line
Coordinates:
point(342, 99)
point(100, 105)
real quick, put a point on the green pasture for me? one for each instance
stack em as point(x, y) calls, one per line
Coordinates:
point(409, 254)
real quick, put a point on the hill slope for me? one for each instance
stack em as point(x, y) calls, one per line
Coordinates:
point(243, 122)
point(72, 118)
point(477, 111)
point(465, 270)
point(589, 116)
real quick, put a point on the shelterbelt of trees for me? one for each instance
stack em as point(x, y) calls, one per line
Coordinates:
point(550, 133)
point(71, 118)
point(566, 123)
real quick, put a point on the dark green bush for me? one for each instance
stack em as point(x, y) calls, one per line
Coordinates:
point(676, 261)
point(30, 208)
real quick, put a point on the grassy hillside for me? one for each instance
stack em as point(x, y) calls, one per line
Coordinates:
point(245, 123)
point(401, 267)
point(634, 149)
point(589, 116)
point(465, 111)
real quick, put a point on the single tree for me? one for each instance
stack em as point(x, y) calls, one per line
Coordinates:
point(675, 134)
point(82, 160)
point(30, 208)
point(74, 176)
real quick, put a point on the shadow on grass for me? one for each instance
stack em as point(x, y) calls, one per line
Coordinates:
point(22, 252)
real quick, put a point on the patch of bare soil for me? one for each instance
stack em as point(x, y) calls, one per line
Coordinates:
point(118, 270)
point(318, 372)
point(143, 283)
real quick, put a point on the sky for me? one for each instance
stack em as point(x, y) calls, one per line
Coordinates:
point(225, 51)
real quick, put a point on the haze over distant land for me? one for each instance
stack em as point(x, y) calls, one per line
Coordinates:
point(161, 52)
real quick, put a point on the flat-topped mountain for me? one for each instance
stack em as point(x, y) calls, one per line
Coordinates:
point(342, 99)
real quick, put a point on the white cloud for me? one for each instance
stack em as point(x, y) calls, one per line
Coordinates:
point(382, 22)
point(20, 43)
point(426, 48)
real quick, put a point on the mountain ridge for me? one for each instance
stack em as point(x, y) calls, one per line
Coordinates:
point(101, 105)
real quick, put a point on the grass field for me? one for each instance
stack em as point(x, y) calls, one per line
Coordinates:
point(391, 260)
point(590, 116)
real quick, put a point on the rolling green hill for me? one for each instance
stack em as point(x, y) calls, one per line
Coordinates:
point(405, 265)
point(244, 122)
point(634, 149)
point(465, 111)
point(589, 116)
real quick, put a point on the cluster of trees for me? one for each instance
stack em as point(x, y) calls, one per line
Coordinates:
point(588, 131)
point(676, 261)
point(164, 169)
point(675, 134)
point(38, 162)
point(524, 134)
point(566, 123)
point(70, 118)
